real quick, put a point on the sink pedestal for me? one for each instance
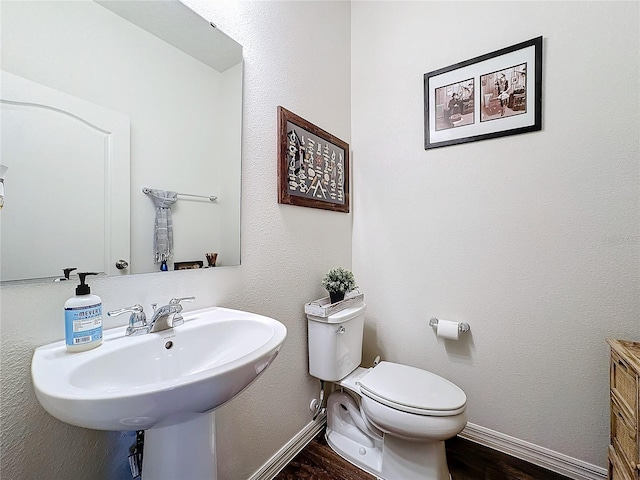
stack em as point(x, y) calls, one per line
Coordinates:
point(181, 447)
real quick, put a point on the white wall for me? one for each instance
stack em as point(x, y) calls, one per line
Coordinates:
point(296, 55)
point(534, 240)
point(230, 210)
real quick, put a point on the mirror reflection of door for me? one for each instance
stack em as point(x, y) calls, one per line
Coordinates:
point(68, 190)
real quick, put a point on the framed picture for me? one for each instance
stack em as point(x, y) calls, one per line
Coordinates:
point(313, 165)
point(188, 265)
point(490, 96)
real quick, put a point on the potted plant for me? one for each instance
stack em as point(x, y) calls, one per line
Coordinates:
point(337, 282)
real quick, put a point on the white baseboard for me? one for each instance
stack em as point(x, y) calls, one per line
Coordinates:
point(283, 456)
point(543, 457)
point(535, 454)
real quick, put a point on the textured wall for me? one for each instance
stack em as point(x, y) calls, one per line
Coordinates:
point(296, 55)
point(532, 239)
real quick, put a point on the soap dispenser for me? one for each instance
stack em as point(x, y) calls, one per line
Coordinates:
point(83, 318)
point(67, 272)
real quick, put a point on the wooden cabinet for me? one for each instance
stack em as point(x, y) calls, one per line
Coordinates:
point(624, 456)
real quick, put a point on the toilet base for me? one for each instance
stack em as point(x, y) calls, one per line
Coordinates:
point(346, 434)
point(388, 458)
point(367, 459)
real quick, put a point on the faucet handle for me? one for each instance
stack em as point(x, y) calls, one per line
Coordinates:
point(135, 309)
point(175, 301)
point(177, 318)
point(137, 320)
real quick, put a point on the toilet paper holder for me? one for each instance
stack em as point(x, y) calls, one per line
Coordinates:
point(462, 326)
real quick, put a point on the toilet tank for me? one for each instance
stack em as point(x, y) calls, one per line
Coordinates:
point(335, 343)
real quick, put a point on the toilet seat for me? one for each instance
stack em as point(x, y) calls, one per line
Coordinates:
point(412, 390)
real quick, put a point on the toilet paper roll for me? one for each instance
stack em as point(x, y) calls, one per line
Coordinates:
point(448, 330)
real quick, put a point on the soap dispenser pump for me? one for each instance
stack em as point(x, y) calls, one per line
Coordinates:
point(83, 318)
point(67, 272)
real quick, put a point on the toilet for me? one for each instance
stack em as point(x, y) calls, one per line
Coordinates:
point(390, 420)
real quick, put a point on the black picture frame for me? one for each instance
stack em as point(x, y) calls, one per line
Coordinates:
point(490, 96)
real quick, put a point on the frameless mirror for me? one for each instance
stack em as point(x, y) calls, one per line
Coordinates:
point(102, 103)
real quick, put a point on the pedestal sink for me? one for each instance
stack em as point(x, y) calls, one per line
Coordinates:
point(167, 383)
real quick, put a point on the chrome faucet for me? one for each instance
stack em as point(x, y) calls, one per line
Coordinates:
point(165, 317)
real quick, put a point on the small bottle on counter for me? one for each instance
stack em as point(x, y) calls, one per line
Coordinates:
point(83, 318)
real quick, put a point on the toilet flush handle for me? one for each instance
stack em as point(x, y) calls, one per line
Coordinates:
point(341, 329)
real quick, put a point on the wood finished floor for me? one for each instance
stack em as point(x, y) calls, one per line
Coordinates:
point(467, 461)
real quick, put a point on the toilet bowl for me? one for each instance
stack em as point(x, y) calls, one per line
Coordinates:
point(411, 403)
point(390, 420)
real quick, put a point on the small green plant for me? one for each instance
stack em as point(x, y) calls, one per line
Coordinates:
point(339, 280)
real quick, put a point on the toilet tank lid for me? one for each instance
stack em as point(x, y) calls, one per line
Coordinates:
point(413, 389)
point(341, 316)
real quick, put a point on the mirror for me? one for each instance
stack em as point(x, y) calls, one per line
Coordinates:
point(101, 102)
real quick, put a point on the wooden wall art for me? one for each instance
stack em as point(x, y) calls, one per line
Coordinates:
point(313, 165)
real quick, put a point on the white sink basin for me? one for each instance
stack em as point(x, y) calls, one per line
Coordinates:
point(132, 383)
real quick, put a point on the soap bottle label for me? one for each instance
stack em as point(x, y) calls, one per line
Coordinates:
point(83, 324)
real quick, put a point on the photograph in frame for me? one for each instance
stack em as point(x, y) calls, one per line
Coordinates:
point(457, 105)
point(505, 96)
point(504, 93)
